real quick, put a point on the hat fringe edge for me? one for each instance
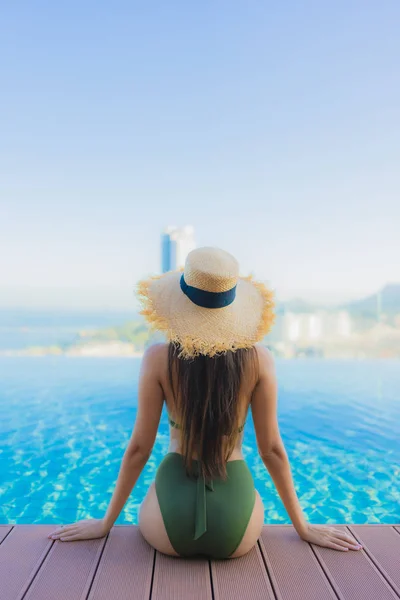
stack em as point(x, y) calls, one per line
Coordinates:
point(155, 320)
point(268, 316)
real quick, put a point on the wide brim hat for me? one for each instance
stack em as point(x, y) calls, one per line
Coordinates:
point(206, 306)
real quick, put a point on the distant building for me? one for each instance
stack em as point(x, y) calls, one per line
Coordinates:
point(176, 243)
point(344, 324)
point(315, 327)
point(338, 324)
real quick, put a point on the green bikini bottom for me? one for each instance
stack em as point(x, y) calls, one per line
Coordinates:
point(201, 517)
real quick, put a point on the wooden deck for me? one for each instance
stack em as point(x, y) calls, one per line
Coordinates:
point(123, 566)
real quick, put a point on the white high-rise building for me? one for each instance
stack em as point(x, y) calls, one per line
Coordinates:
point(319, 326)
point(176, 243)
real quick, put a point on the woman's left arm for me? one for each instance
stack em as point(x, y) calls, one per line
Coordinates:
point(136, 455)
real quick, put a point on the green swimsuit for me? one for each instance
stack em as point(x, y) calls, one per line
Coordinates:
point(204, 517)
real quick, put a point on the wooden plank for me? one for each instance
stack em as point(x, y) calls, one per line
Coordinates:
point(241, 578)
point(295, 572)
point(67, 571)
point(382, 544)
point(4, 530)
point(120, 566)
point(353, 575)
point(126, 566)
point(21, 555)
point(175, 578)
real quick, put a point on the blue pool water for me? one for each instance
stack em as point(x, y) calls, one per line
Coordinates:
point(65, 423)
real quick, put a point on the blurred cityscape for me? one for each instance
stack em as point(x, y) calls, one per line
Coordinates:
point(366, 328)
point(369, 327)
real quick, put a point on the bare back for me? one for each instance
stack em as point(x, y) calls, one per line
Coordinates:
point(247, 388)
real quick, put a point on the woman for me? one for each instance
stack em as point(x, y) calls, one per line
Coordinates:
point(203, 500)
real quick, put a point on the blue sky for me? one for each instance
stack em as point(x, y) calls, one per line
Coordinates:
point(272, 128)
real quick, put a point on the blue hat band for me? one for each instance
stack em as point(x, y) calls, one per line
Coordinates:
point(208, 299)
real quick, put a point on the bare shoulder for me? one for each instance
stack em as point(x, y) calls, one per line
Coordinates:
point(265, 359)
point(155, 356)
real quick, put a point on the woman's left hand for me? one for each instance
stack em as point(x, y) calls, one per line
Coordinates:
point(86, 529)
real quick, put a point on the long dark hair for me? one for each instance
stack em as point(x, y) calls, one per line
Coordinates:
point(207, 393)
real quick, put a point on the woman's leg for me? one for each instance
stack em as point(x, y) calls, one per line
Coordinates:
point(253, 530)
point(151, 523)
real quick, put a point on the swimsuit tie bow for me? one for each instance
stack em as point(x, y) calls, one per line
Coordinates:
point(201, 505)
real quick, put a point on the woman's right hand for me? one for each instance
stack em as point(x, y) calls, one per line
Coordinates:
point(329, 537)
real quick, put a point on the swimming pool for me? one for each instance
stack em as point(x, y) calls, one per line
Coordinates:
point(65, 423)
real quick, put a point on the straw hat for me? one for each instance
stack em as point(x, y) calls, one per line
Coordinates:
point(206, 306)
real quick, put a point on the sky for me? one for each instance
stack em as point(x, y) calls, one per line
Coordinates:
point(272, 128)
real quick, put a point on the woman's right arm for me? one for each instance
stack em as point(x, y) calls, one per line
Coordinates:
point(274, 457)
